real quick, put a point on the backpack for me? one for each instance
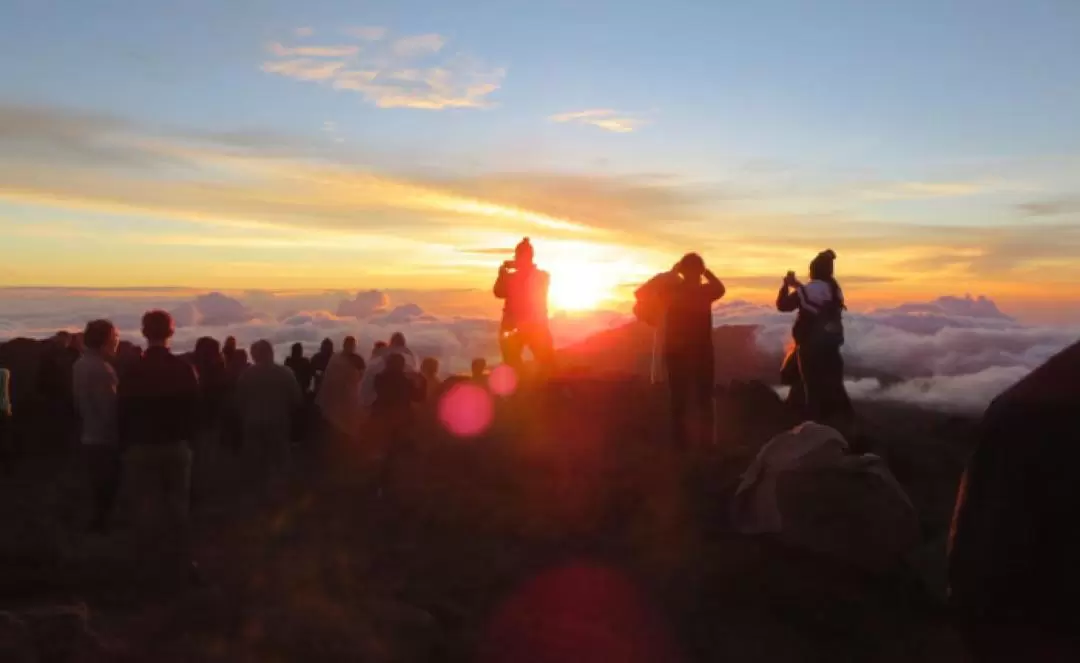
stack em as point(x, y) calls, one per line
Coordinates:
point(825, 327)
point(650, 301)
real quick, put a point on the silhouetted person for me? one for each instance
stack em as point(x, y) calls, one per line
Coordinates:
point(378, 348)
point(478, 369)
point(127, 354)
point(300, 367)
point(320, 361)
point(229, 349)
point(55, 386)
point(95, 385)
point(233, 429)
point(688, 348)
point(158, 407)
point(7, 436)
point(214, 386)
point(209, 363)
point(395, 392)
point(338, 399)
point(397, 347)
point(1014, 576)
point(429, 369)
point(524, 287)
point(819, 333)
point(269, 398)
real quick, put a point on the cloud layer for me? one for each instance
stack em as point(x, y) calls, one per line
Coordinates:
point(954, 353)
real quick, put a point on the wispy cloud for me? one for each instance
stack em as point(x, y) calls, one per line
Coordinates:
point(404, 73)
point(314, 51)
point(366, 32)
point(304, 32)
point(603, 118)
point(417, 45)
point(920, 190)
point(304, 69)
point(1050, 207)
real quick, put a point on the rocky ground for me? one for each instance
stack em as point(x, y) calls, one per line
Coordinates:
point(568, 532)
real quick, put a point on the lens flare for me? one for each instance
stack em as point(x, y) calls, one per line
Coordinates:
point(503, 380)
point(466, 410)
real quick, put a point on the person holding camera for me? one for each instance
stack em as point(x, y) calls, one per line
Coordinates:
point(524, 288)
point(816, 365)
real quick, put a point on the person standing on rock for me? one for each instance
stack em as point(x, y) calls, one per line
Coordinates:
point(819, 334)
point(524, 288)
point(688, 296)
point(94, 386)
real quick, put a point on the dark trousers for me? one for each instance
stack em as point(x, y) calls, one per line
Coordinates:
point(103, 466)
point(691, 381)
point(822, 372)
point(535, 337)
point(7, 444)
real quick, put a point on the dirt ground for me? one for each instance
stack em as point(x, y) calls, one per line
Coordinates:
point(569, 531)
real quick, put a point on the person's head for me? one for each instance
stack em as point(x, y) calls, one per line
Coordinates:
point(429, 367)
point(395, 363)
point(262, 352)
point(62, 339)
point(100, 336)
point(691, 266)
point(77, 342)
point(207, 350)
point(230, 345)
point(327, 346)
point(348, 346)
point(158, 328)
point(821, 267)
point(523, 253)
point(377, 348)
point(239, 358)
point(479, 366)
point(297, 351)
point(397, 340)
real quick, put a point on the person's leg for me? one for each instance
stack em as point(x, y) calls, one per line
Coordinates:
point(103, 466)
point(811, 370)
point(510, 344)
point(704, 402)
point(175, 467)
point(542, 346)
point(678, 378)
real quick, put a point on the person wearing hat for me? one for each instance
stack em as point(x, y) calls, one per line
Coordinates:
point(818, 333)
point(524, 288)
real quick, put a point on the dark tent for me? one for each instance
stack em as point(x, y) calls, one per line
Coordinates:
point(1014, 564)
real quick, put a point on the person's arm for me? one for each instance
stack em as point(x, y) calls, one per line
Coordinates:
point(124, 407)
point(501, 282)
point(713, 286)
point(787, 299)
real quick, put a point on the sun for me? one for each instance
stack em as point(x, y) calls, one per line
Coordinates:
point(578, 287)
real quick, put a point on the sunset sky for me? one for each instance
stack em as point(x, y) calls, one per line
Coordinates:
point(282, 144)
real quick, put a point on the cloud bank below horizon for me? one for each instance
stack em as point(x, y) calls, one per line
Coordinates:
point(953, 353)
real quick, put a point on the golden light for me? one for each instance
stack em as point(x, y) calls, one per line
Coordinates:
point(580, 285)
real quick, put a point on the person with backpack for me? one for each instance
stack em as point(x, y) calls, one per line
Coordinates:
point(679, 305)
point(524, 288)
point(818, 333)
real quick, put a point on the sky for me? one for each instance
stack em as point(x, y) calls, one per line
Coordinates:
point(334, 144)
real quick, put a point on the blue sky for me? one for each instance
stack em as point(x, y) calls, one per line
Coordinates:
point(926, 137)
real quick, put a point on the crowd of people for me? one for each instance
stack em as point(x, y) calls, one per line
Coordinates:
point(153, 417)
